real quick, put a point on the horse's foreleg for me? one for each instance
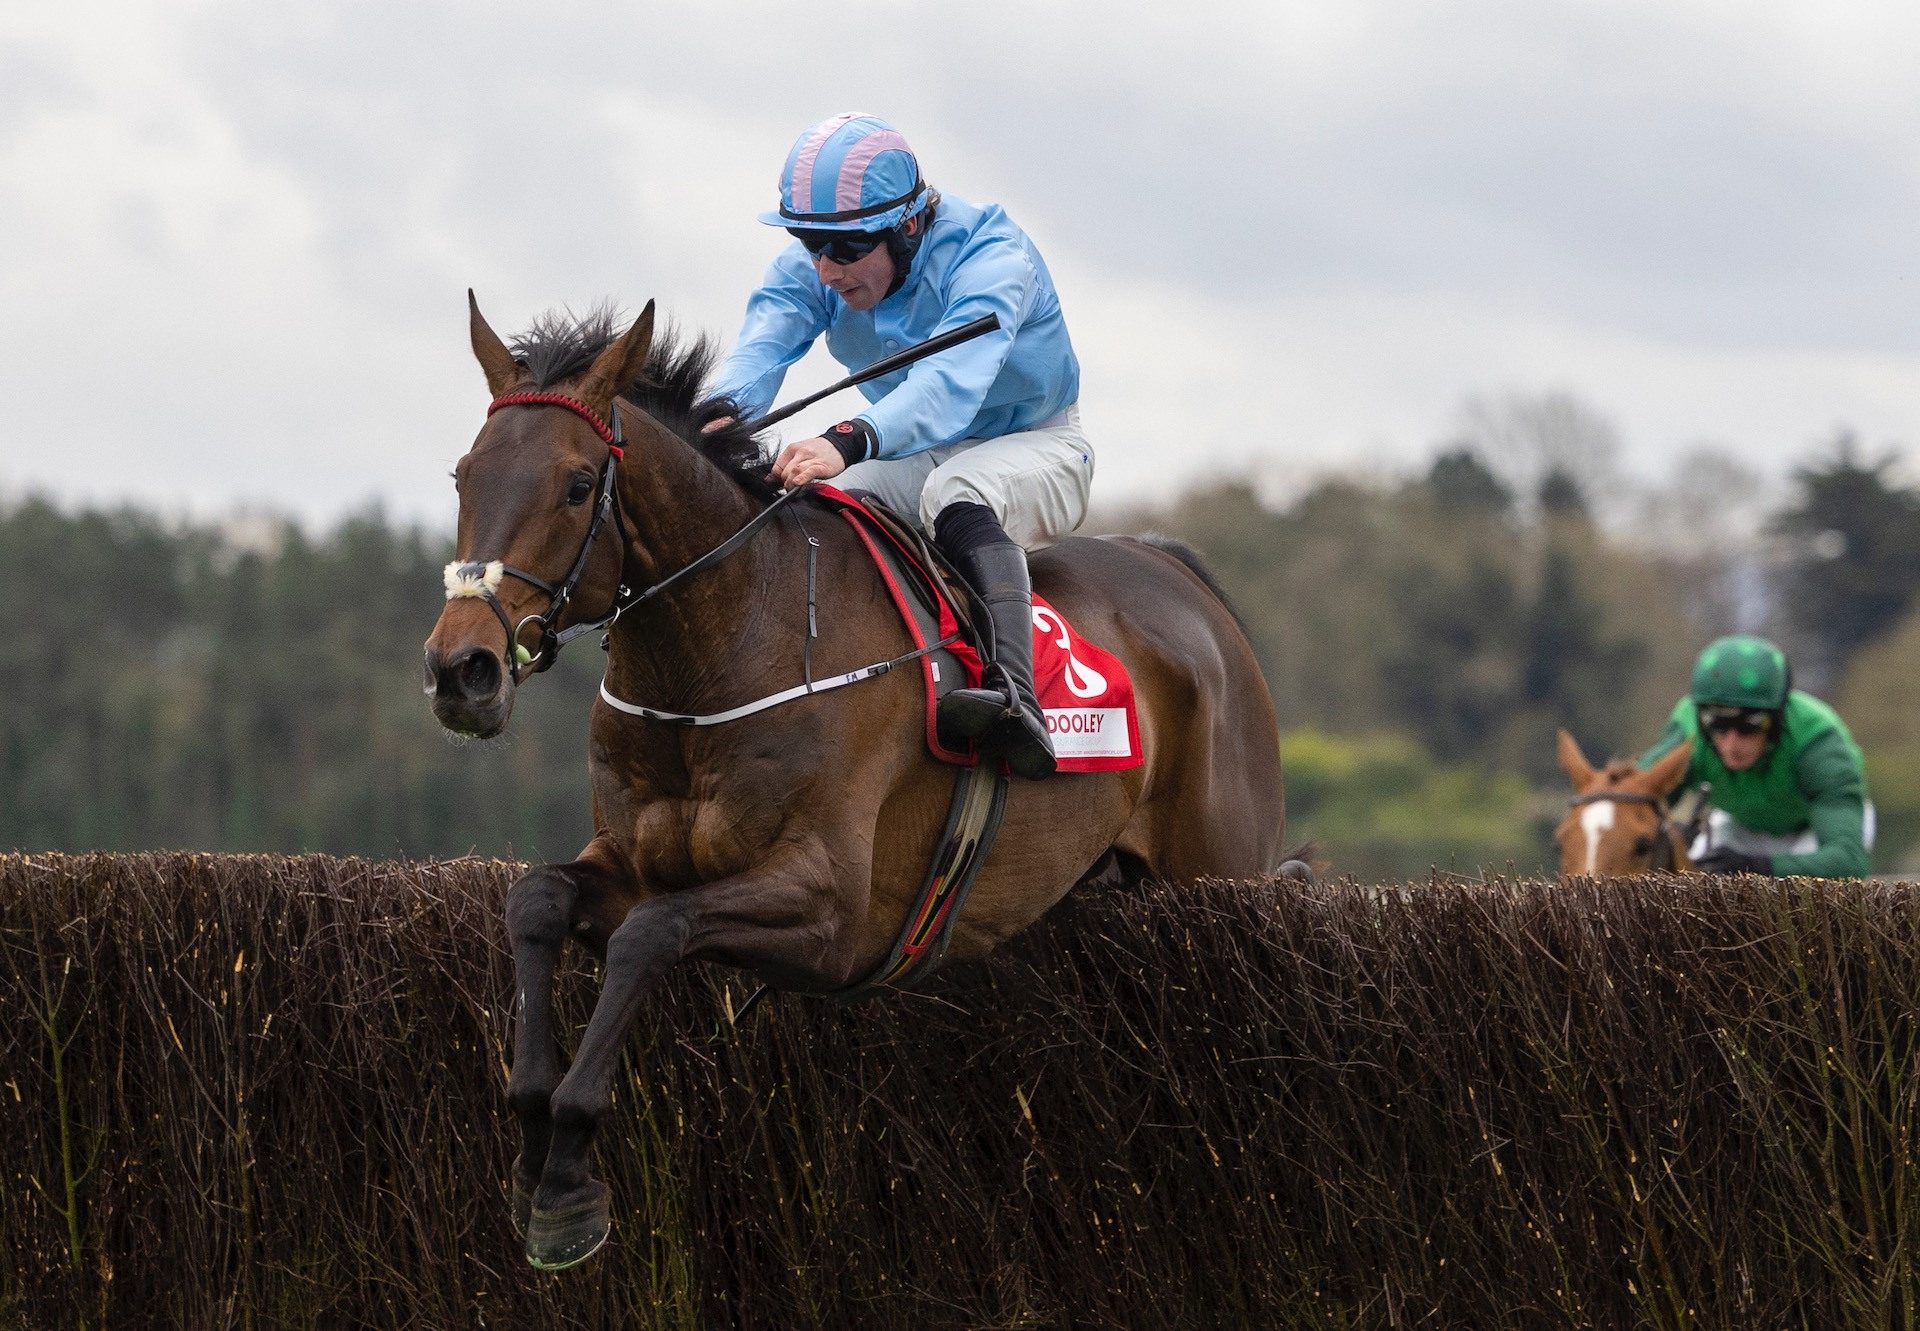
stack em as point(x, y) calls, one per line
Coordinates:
point(541, 908)
point(786, 918)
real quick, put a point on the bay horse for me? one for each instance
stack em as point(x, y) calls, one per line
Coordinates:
point(1617, 822)
point(789, 843)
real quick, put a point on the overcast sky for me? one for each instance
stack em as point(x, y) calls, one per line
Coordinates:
point(235, 239)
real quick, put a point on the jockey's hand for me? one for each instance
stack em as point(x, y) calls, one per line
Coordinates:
point(806, 460)
point(1724, 859)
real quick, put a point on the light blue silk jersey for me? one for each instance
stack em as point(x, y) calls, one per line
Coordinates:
point(974, 261)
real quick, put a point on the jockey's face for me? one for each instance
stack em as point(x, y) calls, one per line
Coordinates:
point(863, 283)
point(1737, 749)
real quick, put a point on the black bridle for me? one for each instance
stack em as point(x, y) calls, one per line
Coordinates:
point(607, 505)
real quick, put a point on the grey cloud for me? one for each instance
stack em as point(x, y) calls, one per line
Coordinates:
point(1690, 222)
point(1676, 207)
point(1639, 180)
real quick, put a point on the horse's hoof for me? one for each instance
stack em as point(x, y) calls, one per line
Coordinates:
point(523, 1189)
point(1298, 871)
point(566, 1236)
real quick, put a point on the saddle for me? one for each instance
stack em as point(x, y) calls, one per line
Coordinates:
point(1084, 692)
point(934, 600)
point(944, 616)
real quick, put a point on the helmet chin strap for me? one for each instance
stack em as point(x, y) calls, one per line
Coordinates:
point(901, 247)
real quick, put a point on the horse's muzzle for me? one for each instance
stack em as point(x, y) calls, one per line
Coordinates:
point(470, 690)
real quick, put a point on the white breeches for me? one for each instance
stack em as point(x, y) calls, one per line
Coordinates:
point(1722, 830)
point(1036, 482)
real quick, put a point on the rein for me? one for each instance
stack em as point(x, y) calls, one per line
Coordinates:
point(481, 580)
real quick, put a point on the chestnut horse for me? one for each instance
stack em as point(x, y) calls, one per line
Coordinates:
point(791, 842)
point(1617, 822)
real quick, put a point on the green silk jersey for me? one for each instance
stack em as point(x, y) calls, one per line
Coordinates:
point(1812, 778)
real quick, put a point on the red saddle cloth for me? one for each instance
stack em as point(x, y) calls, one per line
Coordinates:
point(1086, 696)
point(1084, 691)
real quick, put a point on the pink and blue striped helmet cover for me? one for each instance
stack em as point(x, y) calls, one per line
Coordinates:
point(853, 172)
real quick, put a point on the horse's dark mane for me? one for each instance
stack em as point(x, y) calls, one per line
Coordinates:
point(1619, 769)
point(560, 344)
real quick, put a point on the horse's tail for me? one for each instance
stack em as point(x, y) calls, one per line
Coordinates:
point(1195, 565)
point(1300, 865)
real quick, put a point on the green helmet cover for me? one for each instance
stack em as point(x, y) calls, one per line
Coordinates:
point(1741, 671)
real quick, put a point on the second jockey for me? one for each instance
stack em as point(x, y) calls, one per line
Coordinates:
point(1787, 784)
point(981, 442)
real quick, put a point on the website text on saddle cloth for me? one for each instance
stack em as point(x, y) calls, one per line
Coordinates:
point(981, 442)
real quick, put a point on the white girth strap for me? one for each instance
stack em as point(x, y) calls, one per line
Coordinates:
point(748, 709)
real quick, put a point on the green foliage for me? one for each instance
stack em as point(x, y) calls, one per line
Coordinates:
point(1382, 809)
point(1452, 674)
point(1858, 558)
point(181, 687)
point(1429, 609)
point(1561, 495)
point(1880, 701)
point(1461, 483)
point(1574, 666)
point(173, 689)
point(1424, 642)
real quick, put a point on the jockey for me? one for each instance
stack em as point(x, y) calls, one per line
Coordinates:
point(1788, 788)
point(981, 443)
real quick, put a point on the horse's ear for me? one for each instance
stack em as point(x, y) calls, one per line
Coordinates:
point(1574, 763)
point(621, 362)
point(1667, 774)
point(503, 372)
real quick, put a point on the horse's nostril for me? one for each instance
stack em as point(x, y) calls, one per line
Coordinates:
point(478, 674)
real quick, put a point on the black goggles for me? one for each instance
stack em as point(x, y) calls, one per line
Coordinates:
point(840, 247)
point(1735, 720)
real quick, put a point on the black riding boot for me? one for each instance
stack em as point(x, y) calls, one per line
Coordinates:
point(1002, 714)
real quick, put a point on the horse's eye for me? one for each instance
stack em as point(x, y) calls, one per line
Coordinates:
point(580, 491)
point(1643, 845)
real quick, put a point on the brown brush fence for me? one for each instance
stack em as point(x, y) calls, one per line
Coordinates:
point(264, 1092)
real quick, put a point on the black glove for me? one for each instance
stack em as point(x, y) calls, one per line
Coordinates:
point(1725, 859)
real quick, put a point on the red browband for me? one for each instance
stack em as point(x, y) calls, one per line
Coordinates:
point(572, 404)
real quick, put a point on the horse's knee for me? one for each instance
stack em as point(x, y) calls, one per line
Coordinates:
point(529, 1097)
point(577, 1108)
point(539, 907)
point(654, 934)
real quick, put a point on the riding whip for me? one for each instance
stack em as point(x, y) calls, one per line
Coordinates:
point(953, 337)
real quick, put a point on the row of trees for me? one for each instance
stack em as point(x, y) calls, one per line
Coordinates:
point(182, 687)
point(171, 689)
point(1425, 636)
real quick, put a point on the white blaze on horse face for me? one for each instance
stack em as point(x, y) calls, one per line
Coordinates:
point(1595, 819)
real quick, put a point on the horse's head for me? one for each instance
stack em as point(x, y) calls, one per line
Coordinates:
point(1616, 823)
point(538, 481)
